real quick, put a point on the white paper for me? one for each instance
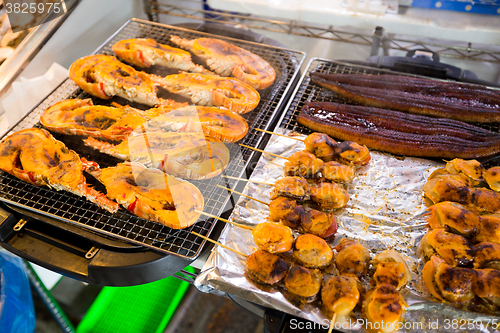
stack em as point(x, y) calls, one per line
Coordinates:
point(25, 93)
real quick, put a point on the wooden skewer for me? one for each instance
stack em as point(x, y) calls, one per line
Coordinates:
point(216, 242)
point(247, 180)
point(262, 151)
point(332, 322)
point(223, 220)
point(246, 196)
point(285, 136)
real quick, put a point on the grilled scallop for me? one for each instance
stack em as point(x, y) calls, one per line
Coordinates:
point(319, 223)
point(292, 187)
point(321, 145)
point(391, 268)
point(448, 283)
point(337, 172)
point(471, 169)
point(273, 237)
point(487, 287)
point(384, 305)
point(312, 252)
point(286, 211)
point(454, 249)
point(303, 164)
point(303, 284)
point(447, 188)
point(492, 177)
point(267, 268)
point(340, 295)
point(454, 217)
point(352, 258)
point(486, 255)
point(329, 195)
point(489, 229)
point(349, 152)
point(458, 189)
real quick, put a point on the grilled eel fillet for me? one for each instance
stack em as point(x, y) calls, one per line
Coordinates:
point(453, 100)
point(400, 133)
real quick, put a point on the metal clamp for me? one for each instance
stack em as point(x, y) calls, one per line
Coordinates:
point(19, 225)
point(92, 252)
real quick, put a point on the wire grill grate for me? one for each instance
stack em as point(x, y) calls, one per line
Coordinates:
point(306, 91)
point(124, 225)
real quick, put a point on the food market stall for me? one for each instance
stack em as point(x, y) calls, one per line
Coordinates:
point(386, 202)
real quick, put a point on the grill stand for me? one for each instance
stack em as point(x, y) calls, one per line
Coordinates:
point(62, 248)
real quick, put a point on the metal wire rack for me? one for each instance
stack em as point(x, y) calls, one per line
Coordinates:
point(205, 13)
point(306, 91)
point(124, 225)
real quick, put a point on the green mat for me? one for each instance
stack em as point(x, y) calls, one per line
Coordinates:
point(145, 308)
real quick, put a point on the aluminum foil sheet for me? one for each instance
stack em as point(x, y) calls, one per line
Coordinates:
point(385, 211)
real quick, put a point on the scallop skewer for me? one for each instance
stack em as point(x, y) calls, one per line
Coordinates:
point(292, 215)
point(327, 149)
point(269, 236)
point(301, 163)
point(328, 196)
point(261, 266)
point(305, 164)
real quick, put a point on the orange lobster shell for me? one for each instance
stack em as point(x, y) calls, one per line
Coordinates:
point(152, 195)
point(34, 156)
point(227, 59)
point(82, 117)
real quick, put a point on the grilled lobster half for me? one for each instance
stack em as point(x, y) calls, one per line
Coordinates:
point(143, 52)
point(36, 157)
point(227, 59)
point(152, 195)
point(82, 117)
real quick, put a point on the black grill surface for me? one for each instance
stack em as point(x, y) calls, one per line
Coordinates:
point(306, 91)
point(124, 225)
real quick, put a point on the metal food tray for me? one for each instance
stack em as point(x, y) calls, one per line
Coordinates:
point(398, 219)
point(124, 225)
point(306, 91)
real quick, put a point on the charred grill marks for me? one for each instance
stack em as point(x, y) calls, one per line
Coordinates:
point(415, 95)
point(398, 132)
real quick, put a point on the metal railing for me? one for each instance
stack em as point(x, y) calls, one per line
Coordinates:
point(202, 12)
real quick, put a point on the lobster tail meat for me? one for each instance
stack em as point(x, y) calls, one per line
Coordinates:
point(416, 95)
point(152, 195)
point(34, 156)
point(400, 133)
point(227, 59)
